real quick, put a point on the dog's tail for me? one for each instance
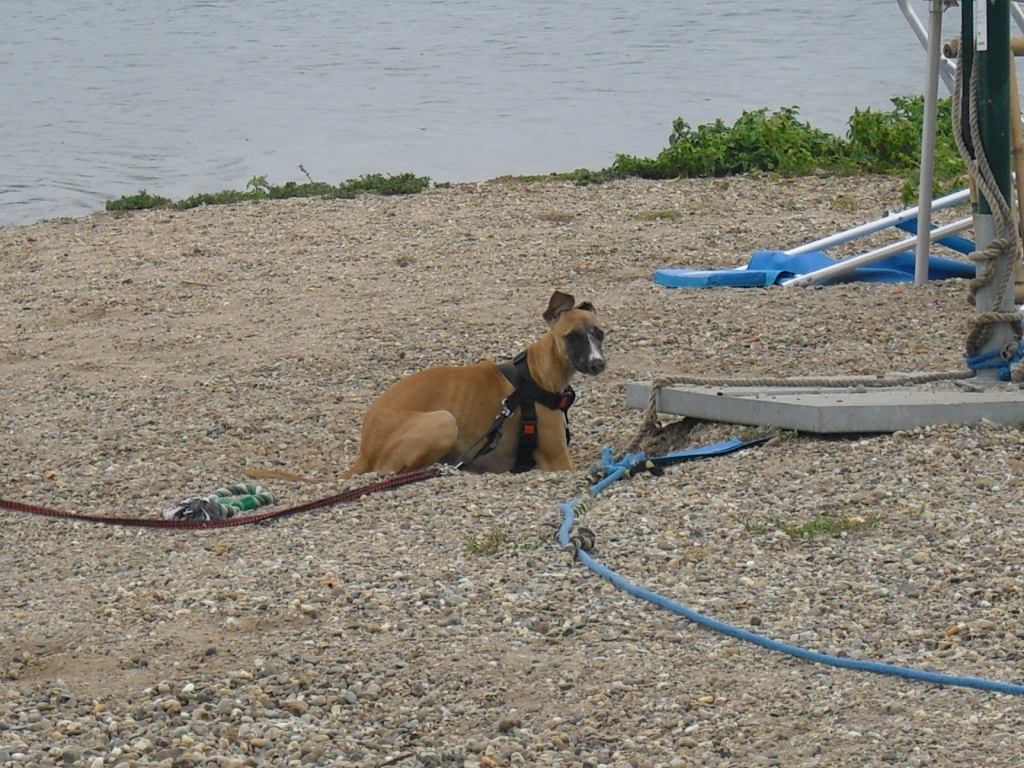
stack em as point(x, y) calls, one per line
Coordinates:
point(361, 466)
point(277, 474)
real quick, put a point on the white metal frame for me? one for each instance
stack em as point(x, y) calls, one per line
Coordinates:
point(891, 220)
point(942, 68)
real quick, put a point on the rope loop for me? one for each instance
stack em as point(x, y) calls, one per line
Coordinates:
point(387, 483)
point(1002, 360)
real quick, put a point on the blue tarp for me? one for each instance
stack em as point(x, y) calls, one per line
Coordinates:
point(772, 267)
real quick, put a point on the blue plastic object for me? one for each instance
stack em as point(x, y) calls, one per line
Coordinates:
point(773, 267)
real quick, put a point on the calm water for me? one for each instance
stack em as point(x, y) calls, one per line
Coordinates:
point(101, 99)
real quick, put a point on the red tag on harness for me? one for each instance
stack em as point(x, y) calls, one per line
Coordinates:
point(529, 429)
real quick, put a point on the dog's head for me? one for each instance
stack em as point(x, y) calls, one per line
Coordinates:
point(577, 332)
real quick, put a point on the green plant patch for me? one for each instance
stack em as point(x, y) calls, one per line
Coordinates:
point(822, 525)
point(138, 202)
point(655, 215)
point(494, 541)
point(757, 142)
point(258, 188)
point(750, 526)
point(779, 143)
point(402, 184)
point(487, 544)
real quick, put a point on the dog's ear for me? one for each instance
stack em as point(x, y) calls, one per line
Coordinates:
point(560, 302)
point(586, 306)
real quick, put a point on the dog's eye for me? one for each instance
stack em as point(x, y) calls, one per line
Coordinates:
point(599, 334)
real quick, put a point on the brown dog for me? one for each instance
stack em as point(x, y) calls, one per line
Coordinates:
point(471, 415)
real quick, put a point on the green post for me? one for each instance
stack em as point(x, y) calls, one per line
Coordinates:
point(992, 60)
point(966, 64)
point(994, 96)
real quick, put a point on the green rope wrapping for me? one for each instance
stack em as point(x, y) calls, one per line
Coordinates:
point(242, 497)
point(224, 503)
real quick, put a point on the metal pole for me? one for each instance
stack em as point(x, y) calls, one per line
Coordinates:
point(889, 220)
point(992, 58)
point(947, 70)
point(1017, 150)
point(927, 178)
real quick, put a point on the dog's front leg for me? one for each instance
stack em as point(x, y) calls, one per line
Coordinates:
point(553, 463)
point(552, 452)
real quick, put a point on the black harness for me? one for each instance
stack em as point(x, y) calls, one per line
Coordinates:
point(525, 398)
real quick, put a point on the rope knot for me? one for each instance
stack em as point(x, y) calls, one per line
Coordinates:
point(224, 503)
point(582, 539)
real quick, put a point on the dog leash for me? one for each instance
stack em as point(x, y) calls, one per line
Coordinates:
point(142, 522)
point(492, 436)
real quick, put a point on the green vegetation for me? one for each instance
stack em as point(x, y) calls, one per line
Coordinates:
point(819, 525)
point(488, 544)
point(890, 142)
point(750, 526)
point(758, 143)
point(137, 202)
point(877, 142)
point(655, 215)
point(259, 188)
point(493, 542)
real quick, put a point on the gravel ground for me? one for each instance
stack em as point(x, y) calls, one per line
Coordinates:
point(149, 356)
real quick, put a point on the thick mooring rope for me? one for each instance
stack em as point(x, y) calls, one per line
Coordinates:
point(579, 543)
point(1004, 246)
point(395, 481)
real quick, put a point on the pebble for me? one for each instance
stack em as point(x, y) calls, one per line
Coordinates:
point(371, 633)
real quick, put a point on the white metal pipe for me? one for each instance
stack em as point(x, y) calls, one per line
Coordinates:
point(848, 265)
point(947, 69)
point(927, 177)
point(879, 224)
point(1018, 14)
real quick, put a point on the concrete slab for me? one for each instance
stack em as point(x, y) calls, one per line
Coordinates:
point(833, 410)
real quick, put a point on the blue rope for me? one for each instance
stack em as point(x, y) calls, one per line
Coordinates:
point(616, 469)
point(995, 359)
